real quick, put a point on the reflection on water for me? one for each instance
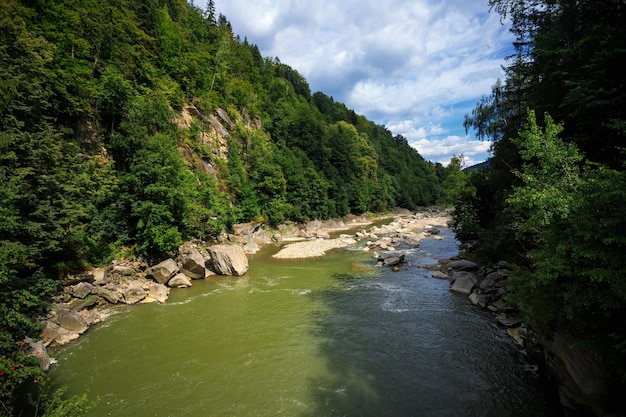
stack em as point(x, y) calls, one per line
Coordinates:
point(322, 337)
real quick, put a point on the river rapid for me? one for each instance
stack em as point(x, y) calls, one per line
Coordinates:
point(330, 336)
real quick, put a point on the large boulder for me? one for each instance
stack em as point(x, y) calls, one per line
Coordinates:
point(228, 260)
point(463, 282)
point(81, 290)
point(179, 281)
point(111, 296)
point(192, 264)
point(391, 258)
point(38, 350)
point(163, 271)
point(133, 294)
point(158, 292)
point(463, 265)
point(123, 270)
point(72, 321)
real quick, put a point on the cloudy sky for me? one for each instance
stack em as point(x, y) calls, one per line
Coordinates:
point(415, 66)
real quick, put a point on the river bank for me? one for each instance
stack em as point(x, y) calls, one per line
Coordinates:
point(90, 297)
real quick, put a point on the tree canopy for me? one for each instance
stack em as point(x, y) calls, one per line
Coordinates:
point(552, 200)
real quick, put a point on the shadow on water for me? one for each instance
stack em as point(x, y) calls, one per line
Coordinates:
point(401, 344)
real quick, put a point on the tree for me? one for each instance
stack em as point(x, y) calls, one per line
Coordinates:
point(572, 225)
point(455, 181)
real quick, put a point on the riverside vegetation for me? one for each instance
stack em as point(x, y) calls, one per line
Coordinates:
point(129, 128)
point(552, 200)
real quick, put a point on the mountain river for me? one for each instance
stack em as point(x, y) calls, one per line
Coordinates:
point(331, 336)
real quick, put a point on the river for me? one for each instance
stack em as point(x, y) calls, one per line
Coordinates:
point(332, 336)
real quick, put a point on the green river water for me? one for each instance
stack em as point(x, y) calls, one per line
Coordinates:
point(331, 336)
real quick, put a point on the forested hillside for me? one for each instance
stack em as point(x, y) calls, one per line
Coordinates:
point(128, 127)
point(553, 200)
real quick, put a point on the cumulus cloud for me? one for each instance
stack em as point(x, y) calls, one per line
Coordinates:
point(416, 64)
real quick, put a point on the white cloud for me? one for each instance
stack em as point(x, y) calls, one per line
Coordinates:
point(392, 61)
point(441, 150)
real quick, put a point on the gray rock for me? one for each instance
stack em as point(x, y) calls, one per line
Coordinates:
point(179, 281)
point(501, 306)
point(192, 264)
point(111, 296)
point(508, 321)
point(497, 276)
point(123, 270)
point(463, 265)
point(393, 261)
point(78, 305)
point(99, 276)
point(163, 271)
point(81, 290)
point(133, 294)
point(463, 282)
point(158, 292)
point(440, 275)
point(38, 349)
point(479, 299)
point(64, 337)
point(486, 284)
point(386, 256)
point(228, 260)
point(72, 321)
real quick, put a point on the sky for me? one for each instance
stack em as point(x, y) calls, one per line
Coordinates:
point(415, 66)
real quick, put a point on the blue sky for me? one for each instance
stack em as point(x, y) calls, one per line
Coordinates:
point(415, 66)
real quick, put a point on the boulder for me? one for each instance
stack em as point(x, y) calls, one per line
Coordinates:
point(192, 264)
point(463, 265)
point(79, 305)
point(158, 292)
point(123, 270)
point(72, 321)
point(111, 296)
point(508, 321)
point(391, 258)
point(179, 281)
point(163, 271)
point(99, 276)
point(38, 350)
point(133, 294)
point(64, 337)
point(440, 275)
point(479, 299)
point(463, 282)
point(81, 290)
point(228, 260)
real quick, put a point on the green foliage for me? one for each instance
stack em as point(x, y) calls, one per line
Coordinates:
point(455, 182)
point(572, 224)
point(550, 176)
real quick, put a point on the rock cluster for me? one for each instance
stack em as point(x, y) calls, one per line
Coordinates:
point(88, 298)
point(484, 288)
point(584, 387)
point(388, 242)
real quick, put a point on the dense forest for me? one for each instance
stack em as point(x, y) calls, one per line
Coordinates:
point(95, 162)
point(552, 201)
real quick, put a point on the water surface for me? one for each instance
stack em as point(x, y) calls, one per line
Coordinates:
point(332, 336)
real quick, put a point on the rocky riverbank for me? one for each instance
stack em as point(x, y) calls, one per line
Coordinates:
point(88, 298)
